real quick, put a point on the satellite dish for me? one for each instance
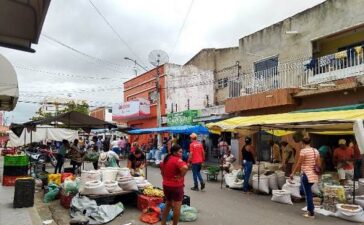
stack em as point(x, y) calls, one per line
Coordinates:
point(158, 57)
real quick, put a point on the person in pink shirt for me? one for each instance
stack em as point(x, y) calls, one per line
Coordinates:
point(196, 159)
point(122, 146)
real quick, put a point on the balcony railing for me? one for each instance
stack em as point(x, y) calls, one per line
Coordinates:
point(299, 73)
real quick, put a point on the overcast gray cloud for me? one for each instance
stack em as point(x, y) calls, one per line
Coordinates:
point(144, 25)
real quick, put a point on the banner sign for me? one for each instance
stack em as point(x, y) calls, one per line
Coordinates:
point(131, 110)
point(182, 118)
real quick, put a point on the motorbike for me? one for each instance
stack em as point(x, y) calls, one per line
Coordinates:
point(41, 155)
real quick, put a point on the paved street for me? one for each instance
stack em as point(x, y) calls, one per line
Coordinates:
point(216, 206)
point(219, 207)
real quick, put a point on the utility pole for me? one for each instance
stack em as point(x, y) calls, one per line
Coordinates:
point(159, 113)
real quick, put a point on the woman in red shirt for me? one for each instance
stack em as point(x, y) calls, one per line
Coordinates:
point(173, 170)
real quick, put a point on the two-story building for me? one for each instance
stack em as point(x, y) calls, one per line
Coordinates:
point(311, 60)
point(139, 109)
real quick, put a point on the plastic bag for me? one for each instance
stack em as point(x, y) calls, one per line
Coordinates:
point(151, 216)
point(71, 186)
point(92, 156)
point(188, 214)
point(315, 189)
point(162, 206)
point(53, 191)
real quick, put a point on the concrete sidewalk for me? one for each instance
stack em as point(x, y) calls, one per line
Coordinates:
point(9, 215)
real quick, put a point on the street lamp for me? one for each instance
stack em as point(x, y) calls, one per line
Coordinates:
point(135, 64)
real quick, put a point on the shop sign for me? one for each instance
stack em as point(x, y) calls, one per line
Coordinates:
point(182, 118)
point(131, 110)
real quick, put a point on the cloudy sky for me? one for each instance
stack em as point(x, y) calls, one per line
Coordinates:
point(79, 55)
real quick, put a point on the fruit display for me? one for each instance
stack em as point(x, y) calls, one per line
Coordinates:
point(153, 192)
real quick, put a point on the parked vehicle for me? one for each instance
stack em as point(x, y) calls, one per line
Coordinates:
point(41, 155)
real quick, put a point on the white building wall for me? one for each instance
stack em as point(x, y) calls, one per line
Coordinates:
point(108, 115)
point(188, 82)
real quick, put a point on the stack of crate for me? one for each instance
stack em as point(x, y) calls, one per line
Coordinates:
point(15, 166)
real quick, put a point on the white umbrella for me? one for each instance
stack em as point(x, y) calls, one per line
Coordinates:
point(9, 92)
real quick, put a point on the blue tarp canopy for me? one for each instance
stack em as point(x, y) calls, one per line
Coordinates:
point(187, 129)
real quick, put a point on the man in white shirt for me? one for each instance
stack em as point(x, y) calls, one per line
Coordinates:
point(115, 146)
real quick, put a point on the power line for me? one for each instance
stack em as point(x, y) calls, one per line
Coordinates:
point(116, 33)
point(181, 29)
point(67, 74)
point(74, 91)
point(116, 67)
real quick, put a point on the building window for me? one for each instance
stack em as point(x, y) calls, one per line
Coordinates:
point(266, 68)
point(109, 110)
point(226, 82)
point(152, 96)
point(220, 84)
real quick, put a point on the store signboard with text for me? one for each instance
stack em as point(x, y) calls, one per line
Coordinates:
point(182, 118)
point(132, 110)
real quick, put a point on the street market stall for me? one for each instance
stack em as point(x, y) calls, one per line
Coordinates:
point(41, 133)
point(328, 188)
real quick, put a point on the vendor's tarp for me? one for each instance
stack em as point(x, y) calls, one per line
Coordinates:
point(338, 108)
point(188, 129)
point(74, 120)
point(312, 121)
point(83, 206)
point(40, 134)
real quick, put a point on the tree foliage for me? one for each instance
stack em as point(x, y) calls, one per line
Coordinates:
point(82, 107)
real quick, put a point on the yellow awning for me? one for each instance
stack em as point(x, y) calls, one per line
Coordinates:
point(312, 121)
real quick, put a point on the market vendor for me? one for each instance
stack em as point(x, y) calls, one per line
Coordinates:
point(136, 162)
point(276, 152)
point(76, 156)
point(288, 157)
point(227, 161)
point(344, 161)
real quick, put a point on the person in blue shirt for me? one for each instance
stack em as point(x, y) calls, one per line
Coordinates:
point(61, 154)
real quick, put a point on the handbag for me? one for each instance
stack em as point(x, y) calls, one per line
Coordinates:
point(317, 168)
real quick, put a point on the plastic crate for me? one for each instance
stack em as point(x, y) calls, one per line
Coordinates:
point(144, 202)
point(24, 193)
point(10, 180)
point(15, 170)
point(20, 160)
point(8, 151)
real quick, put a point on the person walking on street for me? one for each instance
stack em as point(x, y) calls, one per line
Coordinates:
point(173, 170)
point(309, 158)
point(62, 151)
point(196, 158)
point(248, 154)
